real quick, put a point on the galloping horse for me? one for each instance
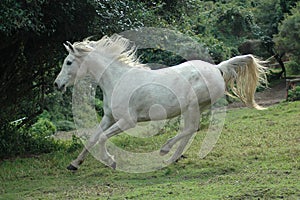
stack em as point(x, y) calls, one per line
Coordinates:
point(131, 89)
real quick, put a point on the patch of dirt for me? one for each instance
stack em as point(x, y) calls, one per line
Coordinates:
point(269, 96)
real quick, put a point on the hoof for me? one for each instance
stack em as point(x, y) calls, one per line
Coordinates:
point(163, 152)
point(72, 168)
point(180, 158)
point(113, 165)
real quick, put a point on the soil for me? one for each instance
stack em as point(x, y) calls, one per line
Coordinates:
point(272, 95)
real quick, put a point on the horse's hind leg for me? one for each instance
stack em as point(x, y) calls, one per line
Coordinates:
point(191, 123)
point(171, 142)
point(104, 124)
point(180, 149)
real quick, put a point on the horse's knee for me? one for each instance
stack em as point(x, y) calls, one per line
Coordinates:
point(93, 140)
point(103, 139)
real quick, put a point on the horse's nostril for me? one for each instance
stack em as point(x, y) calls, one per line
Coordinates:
point(56, 85)
point(62, 87)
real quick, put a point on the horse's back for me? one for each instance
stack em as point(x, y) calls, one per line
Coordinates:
point(165, 93)
point(205, 79)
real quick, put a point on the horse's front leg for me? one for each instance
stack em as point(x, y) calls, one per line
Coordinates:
point(105, 123)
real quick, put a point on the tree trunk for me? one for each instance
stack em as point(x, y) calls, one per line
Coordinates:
point(279, 60)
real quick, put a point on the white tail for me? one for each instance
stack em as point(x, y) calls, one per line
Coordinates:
point(242, 75)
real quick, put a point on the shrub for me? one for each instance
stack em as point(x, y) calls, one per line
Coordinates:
point(23, 141)
point(34, 140)
point(293, 67)
point(74, 144)
point(65, 125)
point(43, 128)
point(294, 94)
point(11, 141)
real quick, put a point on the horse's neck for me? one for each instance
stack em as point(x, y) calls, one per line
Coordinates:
point(108, 75)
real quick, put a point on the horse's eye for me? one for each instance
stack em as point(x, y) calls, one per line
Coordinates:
point(69, 62)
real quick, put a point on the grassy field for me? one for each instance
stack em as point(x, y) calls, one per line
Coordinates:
point(256, 157)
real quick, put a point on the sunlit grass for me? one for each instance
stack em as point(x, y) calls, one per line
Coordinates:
point(257, 157)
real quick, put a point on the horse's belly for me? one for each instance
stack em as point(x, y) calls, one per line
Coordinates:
point(158, 105)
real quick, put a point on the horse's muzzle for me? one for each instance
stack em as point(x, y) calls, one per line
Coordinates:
point(61, 87)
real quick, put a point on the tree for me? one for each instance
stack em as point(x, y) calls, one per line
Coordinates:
point(268, 23)
point(288, 38)
point(32, 33)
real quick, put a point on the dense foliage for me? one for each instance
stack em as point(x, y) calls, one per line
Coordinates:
point(32, 33)
point(289, 36)
point(294, 94)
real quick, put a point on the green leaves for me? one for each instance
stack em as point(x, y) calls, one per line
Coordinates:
point(288, 38)
point(43, 128)
point(21, 16)
point(116, 16)
point(294, 94)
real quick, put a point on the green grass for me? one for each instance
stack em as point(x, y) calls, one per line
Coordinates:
point(257, 157)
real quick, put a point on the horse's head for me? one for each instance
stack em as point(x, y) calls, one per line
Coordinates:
point(71, 65)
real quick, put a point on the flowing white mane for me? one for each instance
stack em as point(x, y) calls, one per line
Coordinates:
point(114, 47)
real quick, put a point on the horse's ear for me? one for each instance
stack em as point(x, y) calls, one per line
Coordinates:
point(71, 46)
point(67, 47)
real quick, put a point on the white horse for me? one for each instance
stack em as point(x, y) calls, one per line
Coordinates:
point(131, 90)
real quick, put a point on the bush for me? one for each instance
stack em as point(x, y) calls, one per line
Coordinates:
point(293, 67)
point(65, 125)
point(74, 144)
point(43, 128)
point(12, 141)
point(294, 94)
point(23, 141)
point(34, 140)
